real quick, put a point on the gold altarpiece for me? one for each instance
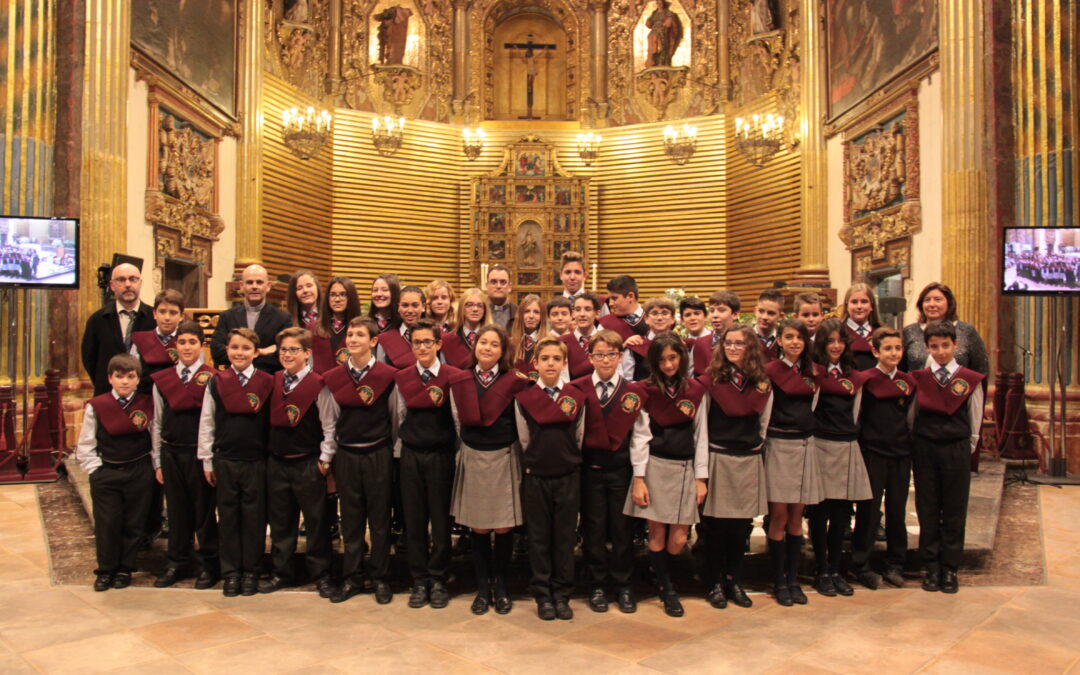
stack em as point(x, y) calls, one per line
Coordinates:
point(527, 213)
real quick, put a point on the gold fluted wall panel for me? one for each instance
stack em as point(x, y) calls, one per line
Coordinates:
point(660, 222)
point(297, 200)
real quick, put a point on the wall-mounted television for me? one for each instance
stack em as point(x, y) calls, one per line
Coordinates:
point(1041, 260)
point(39, 252)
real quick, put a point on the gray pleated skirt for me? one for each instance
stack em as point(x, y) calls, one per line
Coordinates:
point(487, 488)
point(843, 472)
point(792, 472)
point(672, 493)
point(737, 487)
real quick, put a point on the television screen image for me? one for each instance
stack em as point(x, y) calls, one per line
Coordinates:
point(1041, 260)
point(39, 252)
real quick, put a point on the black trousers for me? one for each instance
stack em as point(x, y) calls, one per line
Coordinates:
point(295, 486)
point(603, 494)
point(363, 482)
point(241, 503)
point(942, 487)
point(889, 480)
point(828, 522)
point(551, 510)
point(189, 503)
point(121, 496)
point(427, 478)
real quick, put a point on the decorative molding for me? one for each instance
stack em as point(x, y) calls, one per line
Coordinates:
point(399, 85)
point(184, 99)
point(660, 86)
point(298, 43)
point(884, 98)
point(767, 62)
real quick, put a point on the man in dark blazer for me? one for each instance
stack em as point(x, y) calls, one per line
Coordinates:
point(108, 330)
point(254, 313)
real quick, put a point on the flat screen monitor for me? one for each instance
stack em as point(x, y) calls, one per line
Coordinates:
point(39, 252)
point(1041, 260)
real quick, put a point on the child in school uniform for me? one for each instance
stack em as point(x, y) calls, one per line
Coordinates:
point(737, 407)
point(529, 327)
point(573, 276)
point(550, 427)
point(440, 305)
point(836, 434)
point(234, 428)
point(486, 496)
point(156, 349)
point(659, 317)
point(586, 307)
point(626, 317)
point(767, 313)
point(178, 397)
point(458, 345)
point(428, 441)
point(385, 291)
point(303, 299)
point(723, 311)
point(859, 315)
point(301, 444)
point(807, 307)
point(670, 460)
point(791, 466)
point(885, 442)
point(114, 450)
point(340, 305)
point(363, 393)
point(611, 409)
point(395, 346)
point(947, 414)
point(560, 316)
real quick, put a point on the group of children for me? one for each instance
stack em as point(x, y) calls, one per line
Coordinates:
point(586, 416)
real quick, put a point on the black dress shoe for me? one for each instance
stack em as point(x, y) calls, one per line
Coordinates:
point(783, 595)
point(797, 595)
point(123, 580)
point(716, 597)
point(249, 584)
point(598, 601)
point(869, 579)
point(932, 581)
point(949, 582)
point(206, 579)
point(481, 603)
point(625, 600)
point(842, 586)
point(563, 611)
point(735, 593)
point(503, 603)
point(274, 583)
point(894, 577)
point(672, 605)
point(383, 594)
point(545, 609)
point(440, 597)
point(103, 582)
point(324, 586)
point(231, 589)
point(347, 590)
point(824, 585)
point(418, 597)
point(170, 577)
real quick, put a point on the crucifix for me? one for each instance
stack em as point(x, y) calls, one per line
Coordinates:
point(530, 70)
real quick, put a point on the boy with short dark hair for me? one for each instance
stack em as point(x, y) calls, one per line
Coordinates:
point(659, 317)
point(626, 316)
point(947, 414)
point(560, 313)
point(114, 449)
point(809, 309)
point(767, 313)
point(233, 433)
point(586, 309)
point(178, 397)
point(723, 313)
point(156, 349)
point(692, 314)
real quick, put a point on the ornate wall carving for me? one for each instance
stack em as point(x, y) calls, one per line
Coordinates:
point(765, 43)
point(298, 42)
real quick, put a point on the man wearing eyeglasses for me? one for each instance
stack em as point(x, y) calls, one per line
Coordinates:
point(256, 314)
point(108, 331)
point(498, 290)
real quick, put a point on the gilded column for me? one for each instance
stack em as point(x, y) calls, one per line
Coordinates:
point(601, 106)
point(249, 146)
point(461, 59)
point(333, 87)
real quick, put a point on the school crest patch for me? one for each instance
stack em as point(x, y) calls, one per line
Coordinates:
point(173, 354)
point(847, 384)
point(138, 419)
point(341, 356)
point(365, 393)
point(292, 413)
point(437, 395)
point(253, 400)
point(687, 407)
point(568, 405)
point(202, 378)
point(809, 382)
point(763, 387)
point(630, 403)
point(902, 385)
point(527, 377)
point(959, 387)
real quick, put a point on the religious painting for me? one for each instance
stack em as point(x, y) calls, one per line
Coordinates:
point(871, 43)
point(497, 249)
point(497, 194)
point(562, 246)
point(562, 195)
point(476, 222)
point(193, 41)
point(529, 244)
point(496, 222)
point(529, 164)
point(529, 194)
point(528, 279)
point(561, 222)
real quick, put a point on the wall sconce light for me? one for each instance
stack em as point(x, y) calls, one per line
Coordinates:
point(588, 145)
point(472, 142)
point(760, 138)
point(305, 133)
point(386, 134)
point(680, 143)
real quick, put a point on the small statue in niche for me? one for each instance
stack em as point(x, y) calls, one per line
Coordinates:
point(393, 34)
point(665, 34)
point(761, 18)
point(298, 12)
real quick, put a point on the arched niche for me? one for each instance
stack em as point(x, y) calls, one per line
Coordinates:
point(512, 67)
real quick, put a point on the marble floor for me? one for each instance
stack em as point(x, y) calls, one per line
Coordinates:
point(48, 628)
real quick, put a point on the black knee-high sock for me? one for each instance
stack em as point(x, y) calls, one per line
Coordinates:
point(838, 520)
point(793, 543)
point(658, 560)
point(504, 551)
point(735, 550)
point(481, 555)
point(779, 561)
point(819, 526)
point(714, 549)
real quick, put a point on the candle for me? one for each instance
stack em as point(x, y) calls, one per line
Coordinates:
point(593, 273)
point(483, 272)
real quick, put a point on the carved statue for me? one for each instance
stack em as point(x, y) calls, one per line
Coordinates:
point(393, 34)
point(299, 12)
point(665, 34)
point(761, 18)
point(529, 249)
